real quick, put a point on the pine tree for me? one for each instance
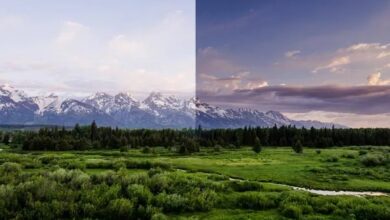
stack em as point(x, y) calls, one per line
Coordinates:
point(297, 146)
point(94, 131)
point(257, 145)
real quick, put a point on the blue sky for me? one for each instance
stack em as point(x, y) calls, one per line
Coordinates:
point(79, 47)
point(288, 55)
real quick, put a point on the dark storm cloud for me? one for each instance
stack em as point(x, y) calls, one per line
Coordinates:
point(351, 99)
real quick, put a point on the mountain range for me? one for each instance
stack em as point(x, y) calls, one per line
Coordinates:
point(123, 110)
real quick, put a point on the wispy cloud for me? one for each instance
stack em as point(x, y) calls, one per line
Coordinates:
point(335, 65)
point(69, 32)
point(292, 53)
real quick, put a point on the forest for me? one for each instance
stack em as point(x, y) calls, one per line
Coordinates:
point(189, 140)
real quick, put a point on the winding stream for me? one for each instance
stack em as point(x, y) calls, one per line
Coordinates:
point(322, 192)
point(327, 192)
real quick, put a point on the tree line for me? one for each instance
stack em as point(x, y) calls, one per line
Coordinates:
point(189, 140)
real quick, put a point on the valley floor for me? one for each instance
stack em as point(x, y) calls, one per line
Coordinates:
point(223, 184)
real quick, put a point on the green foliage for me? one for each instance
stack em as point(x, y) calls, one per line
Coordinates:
point(332, 159)
point(297, 147)
point(375, 160)
point(257, 145)
point(242, 186)
point(190, 140)
point(117, 189)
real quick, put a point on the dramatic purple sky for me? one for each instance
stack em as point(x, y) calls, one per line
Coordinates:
point(325, 60)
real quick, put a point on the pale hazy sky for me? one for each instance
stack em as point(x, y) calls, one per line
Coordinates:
point(79, 47)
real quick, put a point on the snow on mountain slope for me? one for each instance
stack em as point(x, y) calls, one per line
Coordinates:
point(14, 94)
point(48, 103)
point(156, 111)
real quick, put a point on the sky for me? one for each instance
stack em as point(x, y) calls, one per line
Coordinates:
point(75, 48)
point(326, 60)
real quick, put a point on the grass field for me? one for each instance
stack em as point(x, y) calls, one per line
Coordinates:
point(243, 182)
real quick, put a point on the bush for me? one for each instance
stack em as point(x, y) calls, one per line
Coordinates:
point(172, 202)
point(256, 201)
point(139, 194)
point(371, 160)
point(10, 168)
point(297, 147)
point(120, 209)
point(242, 186)
point(318, 151)
point(257, 146)
point(147, 150)
point(124, 149)
point(291, 211)
point(362, 152)
point(348, 156)
point(332, 159)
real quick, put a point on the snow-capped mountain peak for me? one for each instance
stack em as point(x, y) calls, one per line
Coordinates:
point(156, 111)
point(50, 103)
point(15, 94)
point(124, 98)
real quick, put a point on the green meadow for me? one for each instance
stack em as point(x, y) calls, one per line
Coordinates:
point(159, 183)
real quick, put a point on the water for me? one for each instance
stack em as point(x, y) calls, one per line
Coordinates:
point(339, 193)
point(328, 192)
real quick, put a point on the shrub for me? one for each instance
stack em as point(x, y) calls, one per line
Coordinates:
point(242, 186)
point(332, 159)
point(297, 147)
point(120, 209)
point(10, 168)
point(256, 201)
point(232, 146)
point(201, 200)
point(348, 156)
point(124, 149)
point(139, 194)
point(362, 152)
point(217, 148)
point(159, 216)
point(119, 164)
point(257, 146)
point(291, 211)
point(318, 151)
point(171, 202)
point(371, 160)
point(147, 150)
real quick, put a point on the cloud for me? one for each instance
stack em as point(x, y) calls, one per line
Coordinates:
point(356, 59)
point(292, 53)
point(335, 65)
point(226, 85)
point(375, 79)
point(70, 31)
point(365, 47)
point(347, 99)
point(349, 119)
point(383, 54)
point(123, 45)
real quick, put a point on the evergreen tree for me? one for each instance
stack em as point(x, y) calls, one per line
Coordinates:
point(257, 145)
point(297, 146)
point(94, 131)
